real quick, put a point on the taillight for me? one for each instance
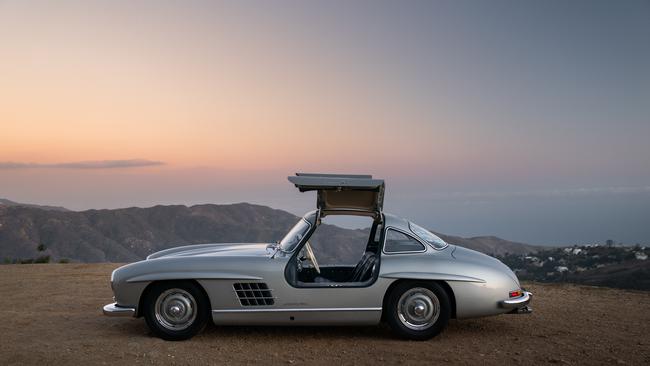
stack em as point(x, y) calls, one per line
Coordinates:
point(515, 293)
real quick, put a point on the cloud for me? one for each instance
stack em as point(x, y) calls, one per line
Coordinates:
point(95, 164)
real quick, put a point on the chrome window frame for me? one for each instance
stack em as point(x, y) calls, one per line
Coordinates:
point(414, 237)
point(425, 241)
point(307, 235)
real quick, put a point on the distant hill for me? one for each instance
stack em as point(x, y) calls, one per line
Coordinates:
point(130, 234)
point(490, 244)
point(6, 202)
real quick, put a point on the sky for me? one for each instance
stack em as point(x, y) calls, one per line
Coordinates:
point(528, 120)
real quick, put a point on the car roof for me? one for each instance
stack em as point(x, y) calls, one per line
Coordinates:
point(396, 222)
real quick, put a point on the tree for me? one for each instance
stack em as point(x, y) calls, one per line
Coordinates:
point(41, 247)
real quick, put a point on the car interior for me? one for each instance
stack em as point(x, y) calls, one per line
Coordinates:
point(331, 259)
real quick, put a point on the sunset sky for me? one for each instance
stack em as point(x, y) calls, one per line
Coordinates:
point(529, 120)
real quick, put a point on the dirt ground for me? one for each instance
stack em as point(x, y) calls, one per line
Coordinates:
point(51, 314)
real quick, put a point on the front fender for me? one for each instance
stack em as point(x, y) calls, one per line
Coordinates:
point(129, 281)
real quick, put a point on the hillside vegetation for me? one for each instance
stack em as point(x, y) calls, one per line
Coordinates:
point(600, 265)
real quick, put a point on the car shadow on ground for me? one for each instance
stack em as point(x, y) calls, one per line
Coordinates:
point(486, 327)
point(299, 332)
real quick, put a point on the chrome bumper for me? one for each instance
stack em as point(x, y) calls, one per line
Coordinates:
point(518, 304)
point(116, 310)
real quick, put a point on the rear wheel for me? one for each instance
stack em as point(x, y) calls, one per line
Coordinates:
point(176, 311)
point(418, 310)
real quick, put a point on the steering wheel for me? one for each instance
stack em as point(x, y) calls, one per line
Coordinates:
point(312, 257)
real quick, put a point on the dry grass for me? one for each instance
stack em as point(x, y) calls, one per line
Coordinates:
point(51, 314)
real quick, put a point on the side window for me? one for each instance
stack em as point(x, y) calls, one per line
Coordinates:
point(399, 242)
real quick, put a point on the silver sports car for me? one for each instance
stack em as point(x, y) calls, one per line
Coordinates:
point(394, 270)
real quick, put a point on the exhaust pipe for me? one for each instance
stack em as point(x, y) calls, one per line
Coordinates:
point(521, 310)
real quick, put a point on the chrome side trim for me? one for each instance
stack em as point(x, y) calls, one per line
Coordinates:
point(431, 276)
point(518, 302)
point(292, 310)
point(115, 310)
point(192, 276)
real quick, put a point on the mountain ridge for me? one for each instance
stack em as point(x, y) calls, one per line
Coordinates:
point(6, 202)
point(130, 234)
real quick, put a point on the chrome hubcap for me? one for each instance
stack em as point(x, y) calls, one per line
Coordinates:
point(175, 309)
point(418, 308)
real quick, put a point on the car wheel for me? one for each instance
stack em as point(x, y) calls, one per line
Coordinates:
point(175, 311)
point(418, 310)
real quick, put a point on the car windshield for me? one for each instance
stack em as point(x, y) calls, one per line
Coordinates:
point(427, 236)
point(293, 237)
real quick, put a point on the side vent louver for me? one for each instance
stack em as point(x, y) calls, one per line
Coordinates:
point(253, 293)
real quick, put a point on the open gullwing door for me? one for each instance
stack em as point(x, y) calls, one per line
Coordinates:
point(343, 193)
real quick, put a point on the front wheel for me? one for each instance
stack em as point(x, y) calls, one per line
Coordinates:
point(175, 311)
point(418, 310)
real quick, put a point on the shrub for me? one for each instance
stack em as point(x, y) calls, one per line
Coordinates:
point(42, 259)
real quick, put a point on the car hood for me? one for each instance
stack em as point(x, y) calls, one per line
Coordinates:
point(211, 250)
